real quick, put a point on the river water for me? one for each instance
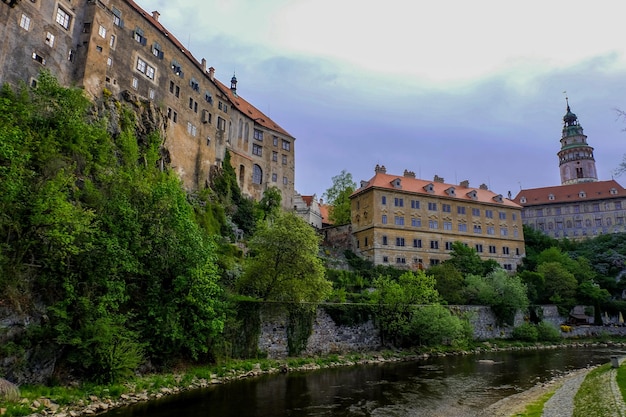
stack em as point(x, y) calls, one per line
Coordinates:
point(451, 386)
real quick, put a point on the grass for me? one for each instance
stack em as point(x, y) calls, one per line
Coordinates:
point(621, 380)
point(588, 401)
point(535, 409)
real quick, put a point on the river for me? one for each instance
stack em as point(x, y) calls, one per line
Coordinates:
point(444, 386)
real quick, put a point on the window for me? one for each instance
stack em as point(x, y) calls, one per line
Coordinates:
point(595, 207)
point(257, 174)
point(191, 129)
point(618, 205)
point(150, 74)
point(432, 206)
point(505, 250)
point(400, 260)
point(417, 243)
point(479, 248)
point(257, 150)
point(383, 200)
point(416, 222)
point(284, 159)
point(275, 142)
point(177, 69)
point(112, 42)
point(141, 65)
point(514, 216)
point(385, 259)
point(489, 214)
point(448, 245)
point(475, 212)
point(208, 97)
point(274, 156)
point(274, 177)
point(285, 181)
point(504, 231)
point(102, 31)
point(157, 50)
point(502, 214)
point(398, 202)
point(446, 208)
point(399, 241)
point(39, 58)
point(286, 145)
point(384, 219)
point(135, 83)
point(258, 134)
point(49, 39)
point(460, 209)
point(447, 225)
point(117, 17)
point(151, 94)
point(399, 221)
point(25, 22)
point(109, 61)
point(434, 244)
point(194, 84)
point(365, 241)
point(492, 249)
point(415, 204)
point(63, 18)
point(462, 227)
point(491, 230)
point(433, 224)
point(221, 124)
point(384, 240)
point(478, 229)
point(138, 36)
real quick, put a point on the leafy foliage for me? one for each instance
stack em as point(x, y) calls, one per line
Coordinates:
point(338, 197)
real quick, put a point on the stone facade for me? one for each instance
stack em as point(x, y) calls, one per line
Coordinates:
point(115, 47)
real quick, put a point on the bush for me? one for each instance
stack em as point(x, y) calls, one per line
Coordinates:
point(548, 332)
point(526, 332)
point(435, 325)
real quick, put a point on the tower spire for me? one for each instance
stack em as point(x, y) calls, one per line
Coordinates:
point(576, 161)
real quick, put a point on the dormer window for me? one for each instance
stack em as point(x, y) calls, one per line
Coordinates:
point(613, 191)
point(522, 200)
point(472, 194)
point(397, 183)
point(451, 192)
point(498, 198)
point(429, 188)
point(551, 197)
point(582, 194)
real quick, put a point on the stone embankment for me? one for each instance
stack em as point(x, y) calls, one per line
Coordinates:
point(95, 405)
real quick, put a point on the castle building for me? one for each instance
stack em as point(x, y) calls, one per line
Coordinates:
point(412, 223)
point(115, 47)
point(581, 206)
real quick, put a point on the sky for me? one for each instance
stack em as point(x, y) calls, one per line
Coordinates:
point(466, 90)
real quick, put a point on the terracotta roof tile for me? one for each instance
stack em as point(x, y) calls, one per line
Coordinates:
point(419, 186)
point(586, 191)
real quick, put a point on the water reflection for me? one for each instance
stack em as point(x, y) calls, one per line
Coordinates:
point(452, 386)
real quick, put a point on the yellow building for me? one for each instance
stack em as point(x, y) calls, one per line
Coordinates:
point(412, 223)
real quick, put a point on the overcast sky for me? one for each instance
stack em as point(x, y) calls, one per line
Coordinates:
point(467, 90)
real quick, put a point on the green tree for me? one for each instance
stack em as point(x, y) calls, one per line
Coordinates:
point(338, 197)
point(449, 282)
point(435, 325)
point(467, 261)
point(505, 294)
point(560, 285)
point(269, 205)
point(284, 264)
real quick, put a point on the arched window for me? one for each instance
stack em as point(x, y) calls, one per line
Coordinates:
point(242, 173)
point(246, 133)
point(257, 174)
point(240, 131)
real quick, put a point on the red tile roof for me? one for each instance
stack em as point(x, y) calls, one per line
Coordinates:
point(419, 186)
point(324, 210)
point(308, 199)
point(250, 111)
point(586, 191)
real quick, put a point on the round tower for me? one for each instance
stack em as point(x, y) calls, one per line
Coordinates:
point(576, 161)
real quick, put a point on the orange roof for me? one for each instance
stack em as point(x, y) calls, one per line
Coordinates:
point(324, 208)
point(249, 110)
point(308, 199)
point(585, 191)
point(434, 188)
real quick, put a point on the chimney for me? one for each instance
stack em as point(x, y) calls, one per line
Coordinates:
point(483, 187)
point(204, 64)
point(155, 15)
point(211, 73)
point(438, 179)
point(409, 174)
point(464, 183)
point(380, 169)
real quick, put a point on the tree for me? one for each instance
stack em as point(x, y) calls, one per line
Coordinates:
point(338, 197)
point(449, 282)
point(269, 206)
point(505, 294)
point(560, 285)
point(283, 264)
point(467, 261)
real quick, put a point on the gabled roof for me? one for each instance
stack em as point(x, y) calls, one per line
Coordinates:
point(570, 193)
point(433, 188)
point(250, 111)
point(324, 210)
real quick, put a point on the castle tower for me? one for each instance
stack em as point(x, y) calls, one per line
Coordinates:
point(576, 161)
